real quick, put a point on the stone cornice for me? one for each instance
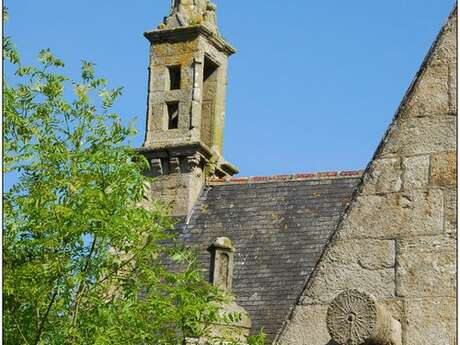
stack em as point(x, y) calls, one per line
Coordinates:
point(219, 168)
point(229, 168)
point(175, 149)
point(188, 32)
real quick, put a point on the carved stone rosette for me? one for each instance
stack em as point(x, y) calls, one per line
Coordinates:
point(355, 317)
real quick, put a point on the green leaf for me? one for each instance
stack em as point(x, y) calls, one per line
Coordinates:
point(9, 51)
point(87, 71)
point(48, 59)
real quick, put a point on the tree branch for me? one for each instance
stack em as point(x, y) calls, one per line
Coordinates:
point(81, 286)
point(121, 266)
point(43, 320)
point(20, 332)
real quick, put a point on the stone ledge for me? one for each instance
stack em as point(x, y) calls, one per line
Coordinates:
point(163, 150)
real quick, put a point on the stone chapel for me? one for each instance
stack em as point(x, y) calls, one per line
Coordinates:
point(347, 257)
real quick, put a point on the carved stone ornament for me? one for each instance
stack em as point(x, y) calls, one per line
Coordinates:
point(193, 161)
point(210, 18)
point(355, 317)
point(191, 12)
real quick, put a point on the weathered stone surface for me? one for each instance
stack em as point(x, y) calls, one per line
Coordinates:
point(416, 171)
point(395, 215)
point(430, 321)
point(453, 88)
point(384, 176)
point(421, 135)
point(307, 324)
point(369, 254)
point(430, 95)
point(168, 49)
point(334, 277)
point(180, 190)
point(445, 51)
point(426, 267)
point(450, 211)
point(395, 306)
point(444, 169)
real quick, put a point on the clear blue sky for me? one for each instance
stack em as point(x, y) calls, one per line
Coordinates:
point(313, 86)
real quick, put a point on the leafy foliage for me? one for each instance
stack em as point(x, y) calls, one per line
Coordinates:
point(84, 250)
point(258, 339)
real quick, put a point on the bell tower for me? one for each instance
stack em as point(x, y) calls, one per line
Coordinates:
point(186, 103)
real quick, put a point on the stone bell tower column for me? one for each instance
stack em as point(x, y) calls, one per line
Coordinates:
point(186, 103)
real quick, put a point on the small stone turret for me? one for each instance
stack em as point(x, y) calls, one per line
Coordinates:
point(186, 104)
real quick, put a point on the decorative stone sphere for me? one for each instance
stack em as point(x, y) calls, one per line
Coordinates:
point(355, 317)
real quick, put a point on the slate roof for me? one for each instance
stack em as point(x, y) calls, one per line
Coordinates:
point(279, 227)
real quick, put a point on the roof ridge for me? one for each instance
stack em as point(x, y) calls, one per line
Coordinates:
point(288, 177)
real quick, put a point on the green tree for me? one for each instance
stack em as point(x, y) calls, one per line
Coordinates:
point(83, 249)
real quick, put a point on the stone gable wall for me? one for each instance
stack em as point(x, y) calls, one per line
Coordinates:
point(397, 240)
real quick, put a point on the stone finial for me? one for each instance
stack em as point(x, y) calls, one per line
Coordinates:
point(222, 252)
point(191, 12)
point(355, 318)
